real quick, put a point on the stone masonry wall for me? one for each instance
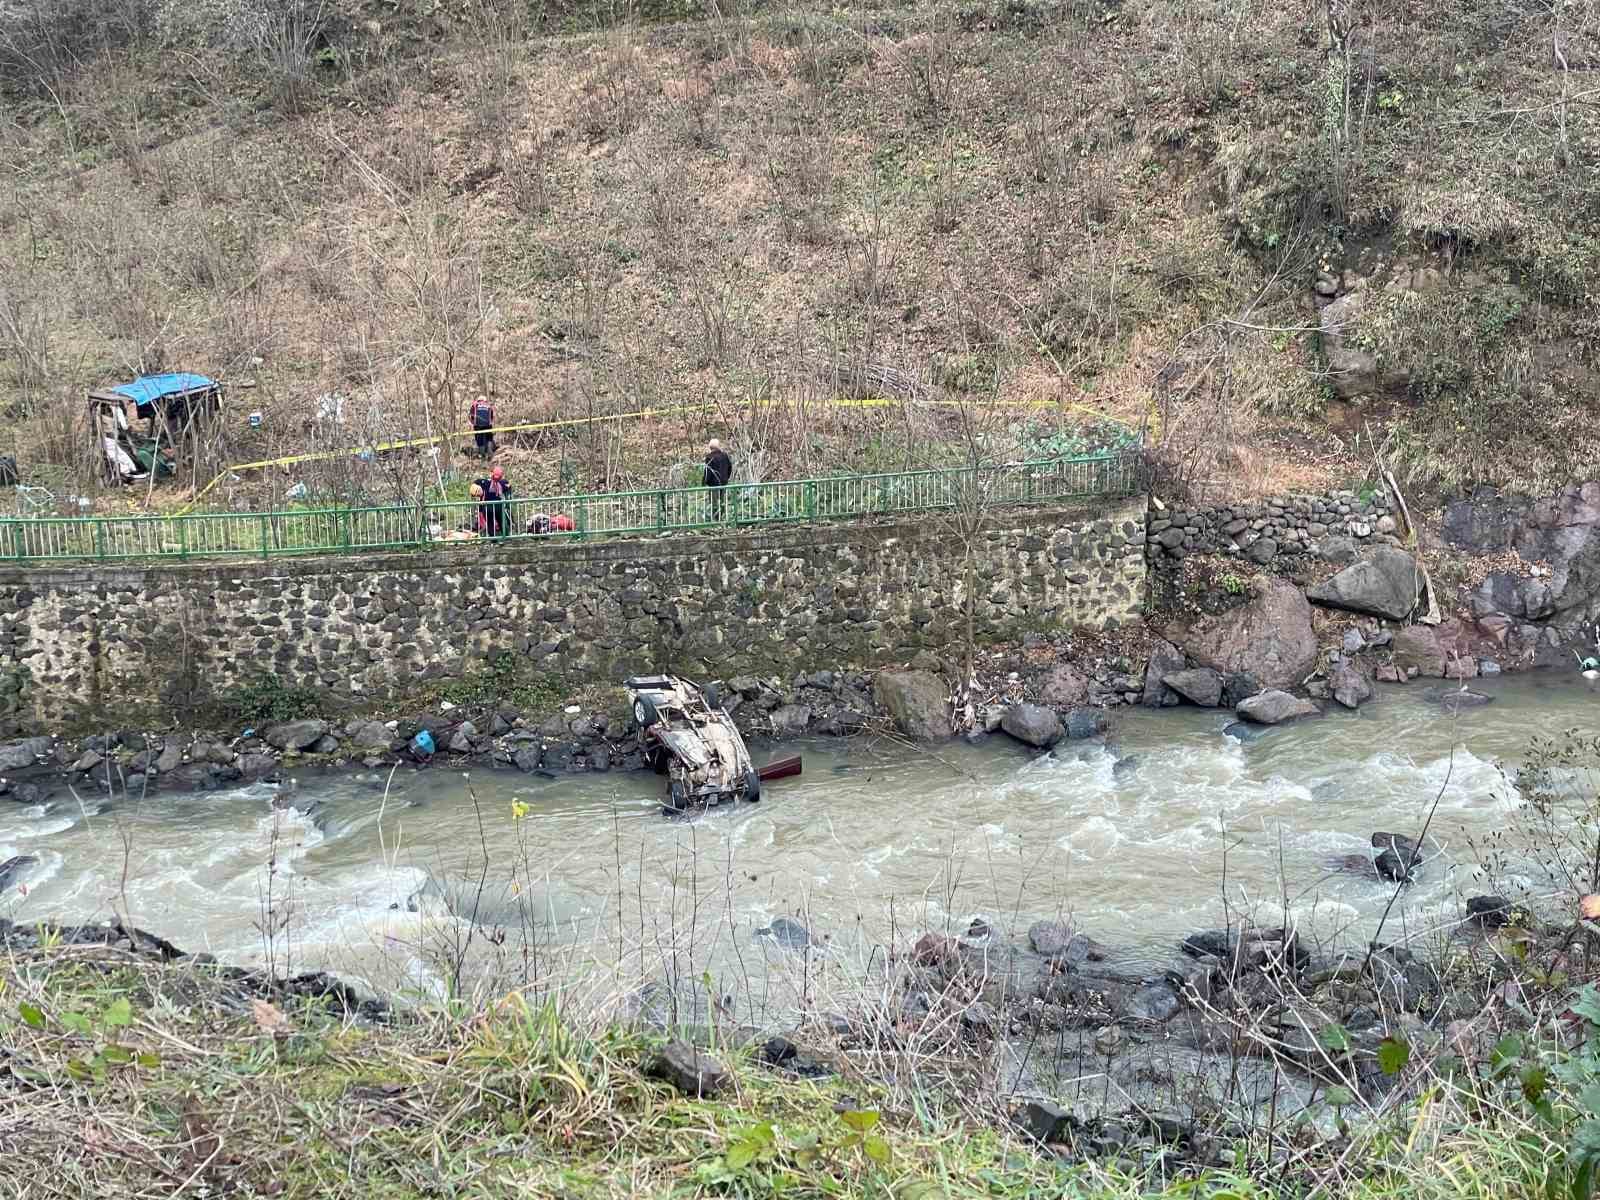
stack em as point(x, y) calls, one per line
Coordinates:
point(1275, 533)
point(84, 644)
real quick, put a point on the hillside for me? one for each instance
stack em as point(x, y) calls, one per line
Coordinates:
point(1271, 236)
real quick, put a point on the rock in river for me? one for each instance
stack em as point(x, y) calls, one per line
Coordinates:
point(296, 735)
point(1455, 699)
point(1055, 940)
point(1165, 658)
point(1275, 707)
point(1349, 685)
point(1154, 1001)
point(918, 701)
point(1086, 723)
point(371, 735)
point(1386, 583)
point(1201, 686)
point(788, 933)
point(12, 870)
point(1033, 724)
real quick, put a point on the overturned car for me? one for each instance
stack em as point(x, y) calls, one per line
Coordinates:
point(686, 734)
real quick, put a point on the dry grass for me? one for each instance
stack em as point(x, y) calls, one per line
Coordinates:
point(209, 1084)
point(728, 211)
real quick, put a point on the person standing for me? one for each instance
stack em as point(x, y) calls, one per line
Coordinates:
point(496, 494)
point(481, 414)
point(719, 470)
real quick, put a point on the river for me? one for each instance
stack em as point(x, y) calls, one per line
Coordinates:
point(876, 843)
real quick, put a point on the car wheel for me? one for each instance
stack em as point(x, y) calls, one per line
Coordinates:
point(644, 712)
point(678, 795)
point(752, 784)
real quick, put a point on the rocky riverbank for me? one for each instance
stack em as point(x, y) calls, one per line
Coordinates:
point(1273, 610)
point(1243, 1025)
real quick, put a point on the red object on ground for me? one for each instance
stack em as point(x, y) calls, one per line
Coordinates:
point(561, 523)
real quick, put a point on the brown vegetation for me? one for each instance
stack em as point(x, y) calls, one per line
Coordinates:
point(1117, 210)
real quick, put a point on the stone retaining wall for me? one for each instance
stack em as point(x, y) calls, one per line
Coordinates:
point(1274, 533)
point(84, 645)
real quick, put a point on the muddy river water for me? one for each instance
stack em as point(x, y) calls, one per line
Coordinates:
point(1170, 827)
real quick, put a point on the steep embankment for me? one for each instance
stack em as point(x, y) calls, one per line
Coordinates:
point(1278, 228)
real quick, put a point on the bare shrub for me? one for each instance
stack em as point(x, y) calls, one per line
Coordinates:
point(715, 297)
point(1086, 314)
point(284, 38)
point(948, 197)
point(869, 258)
point(499, 30)
point(588, 302)
point(615, 96)
point(25, 342)
point(800, 170)
point(663, 200)
point(1203, 38)
point(408, 159)
point(527, 169)
point(828, 49)
point(931, 66)
point(43, 43)
point(693, 117)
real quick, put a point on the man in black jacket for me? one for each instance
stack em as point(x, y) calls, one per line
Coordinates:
point(719, 470)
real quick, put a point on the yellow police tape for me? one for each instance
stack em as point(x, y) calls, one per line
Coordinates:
point(412, 443)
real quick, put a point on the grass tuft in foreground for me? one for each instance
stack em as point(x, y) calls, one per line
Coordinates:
point(125, 1077)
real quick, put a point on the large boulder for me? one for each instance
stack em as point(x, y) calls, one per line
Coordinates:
point(1268, 637)
point(1165, 658)
point(171, 756)
point(17, 755)
point(1275, 707)
point(1437, 651)
point(371, 735)
point(1561, 531)
point(1386, 583)
point(917, 701)
point(296, 735)
point(1032, 724)
point(790, 720)
point(1199, 685)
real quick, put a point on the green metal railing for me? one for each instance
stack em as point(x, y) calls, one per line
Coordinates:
point(337, 530)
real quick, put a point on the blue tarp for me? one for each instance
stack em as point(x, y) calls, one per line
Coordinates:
point(151, 388)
